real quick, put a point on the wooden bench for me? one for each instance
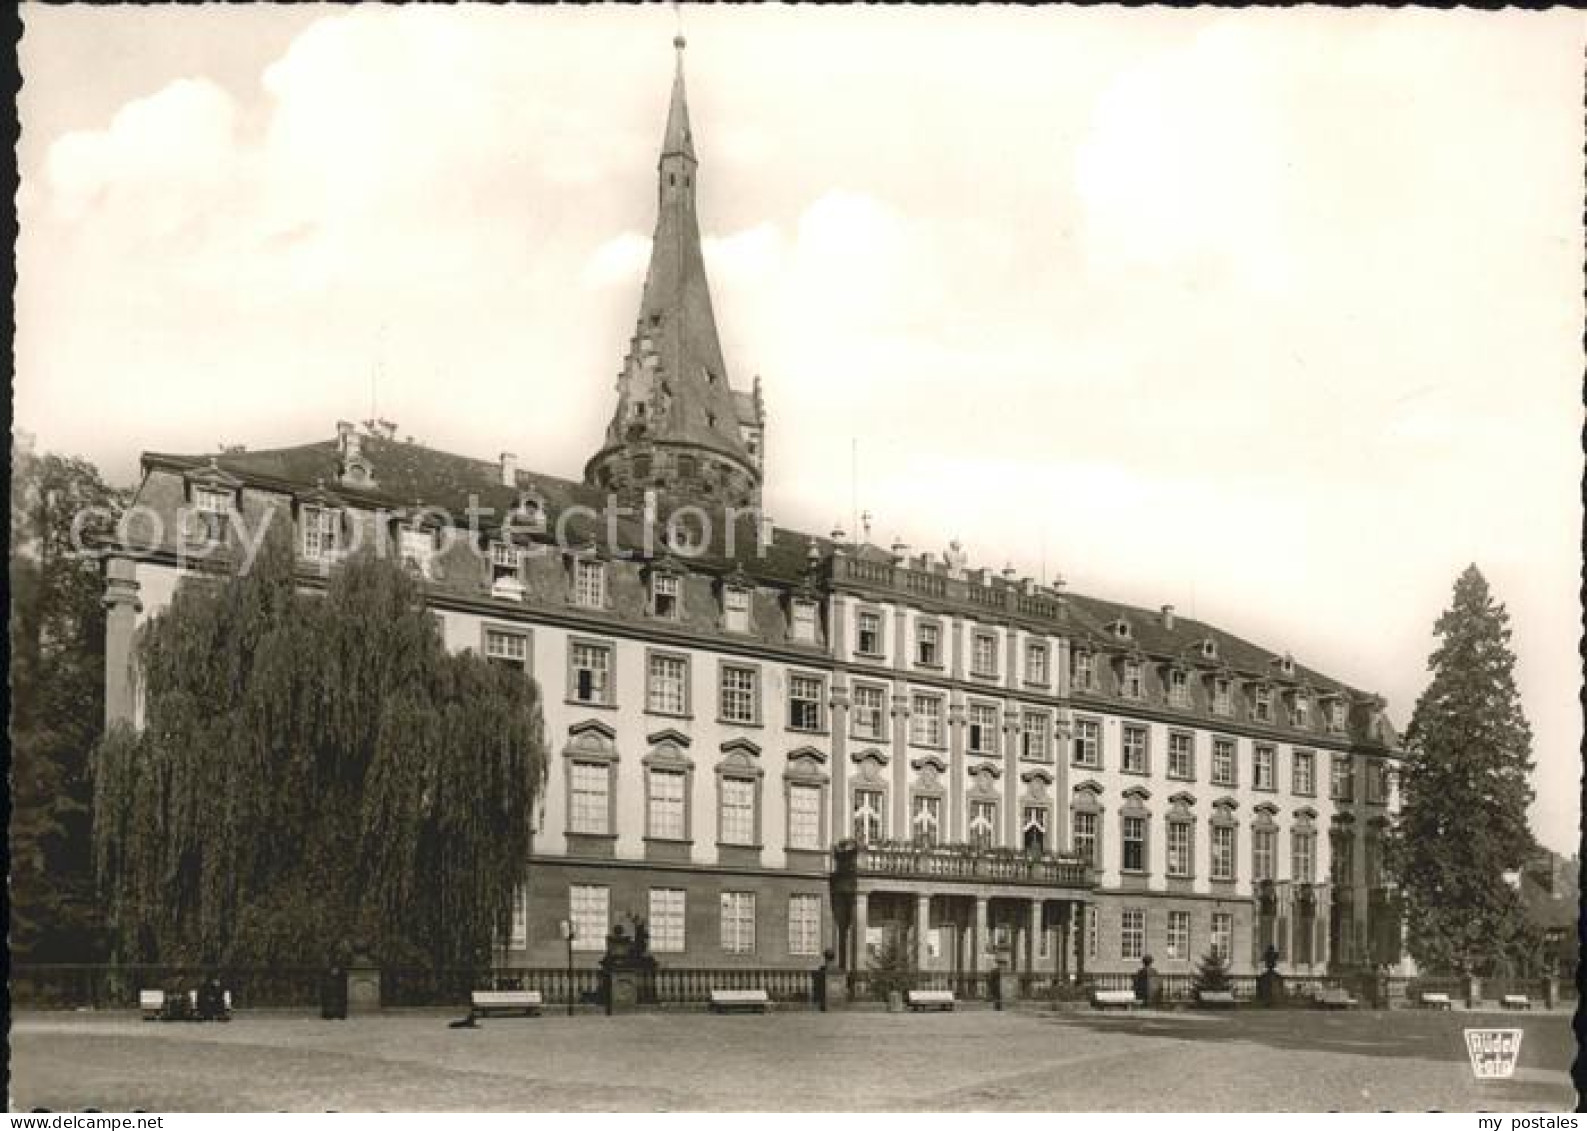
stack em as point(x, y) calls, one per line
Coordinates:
point(1216, 999)
point(1335, 999)
point(483, 1003)
point(1435, 1001)
point(1114, 999)
point(732, 1001)
point(929, 999)
point(1515, 1001)
point(152, 1004)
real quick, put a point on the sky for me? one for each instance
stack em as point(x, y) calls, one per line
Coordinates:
point(1271, 315)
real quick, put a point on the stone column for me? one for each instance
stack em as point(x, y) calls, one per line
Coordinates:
point(922, 928)
point(858, 928)
point(1062, 947)
point(122, 607)
point(980, 939)
point(1079, 930)
point(1035, 934)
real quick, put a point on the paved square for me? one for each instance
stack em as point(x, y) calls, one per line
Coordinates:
point(970, 1060)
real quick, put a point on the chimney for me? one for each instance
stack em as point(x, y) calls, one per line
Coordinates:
point(766, 528)
point(1168, 617)
point(344, 433)
point(900, 547)
point(650, 508)
point(1009, 573)
point(509, 469)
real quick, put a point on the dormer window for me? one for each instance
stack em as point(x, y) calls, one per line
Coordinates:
point(322, 532)
point(1130, 687)
point(506, 561)
point(802, 622)
point(1300, 710)
point(1262, 704)
point(589, 584)
point(665, 589)
point(1287, 665)
point(735, 609)
point(415, 548)
point(1121, 628)
point(1083, 671)
point(1178, 687)
point(1222, 696)
point(529, 514)
point(212, 508)
point(1209, 649)
point(1336, 716)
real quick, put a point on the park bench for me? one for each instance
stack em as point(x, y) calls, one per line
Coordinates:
point(929, 999)
point(1435, 1001)
point(1114, 999)
point(483, 1003)
point(1515, 1001)
point(1220, 999)
point(729, 1001)
point(1334, 998)
point(152, 1003)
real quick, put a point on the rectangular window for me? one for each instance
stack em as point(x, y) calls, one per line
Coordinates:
point(667, 919)
point(1223, 852)
point(868, 640)
point(928, 644)
point(1132, 933)
point(804, 924)
point(870, 704)
point(666, 689)
point(1179, 840)
point(735, 609)
point(740, 688)
point(804, 817)
point(1223, 761)
point(1085, 837)
point(1223, 933)
point(667, 818)
point(983, 823)
point(664, 591)
point(1131, 688)
point(1133, 839)
point(1262, 707)
point(804, 621)
point(589, 584)
point(870, 815)
point(589, 910)
point(1088, 743)
point(1264, 843)
point(1342, 860)
point(1133, 759)
point(1377, 781)
point(1303, 861)
point(1300, 712)
point(592, 668)
point(1374, 861)
point(1304, 773)
point(1036, 664)
point(591, 811)
point(1033, 828)
point(1336, 716)
point(506, 561)
point(738, 922)
point(518, 929)
point(983, 654)
point(1222, 697)
point(738, 811)
point(1179, 687)
point(805, 693)
point(925, 722)
point(983, 728)
point(1178, 934)
point(507, 649)
point(322, 532)
point(1263, 758)
point(1033, 733)
point(1083, 671)
point(925, 819)
point(415, 548)
point(1182, 755)
point(1093, 934)
point(1341, 786)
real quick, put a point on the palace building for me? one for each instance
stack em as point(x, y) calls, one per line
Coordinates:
point(767, 743)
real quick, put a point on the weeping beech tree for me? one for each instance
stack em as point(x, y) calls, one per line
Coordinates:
point(315, 772)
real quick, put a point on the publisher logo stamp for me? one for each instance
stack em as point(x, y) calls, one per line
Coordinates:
point(1493, 1052)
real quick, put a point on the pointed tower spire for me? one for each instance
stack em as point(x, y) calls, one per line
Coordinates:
point(680, 428)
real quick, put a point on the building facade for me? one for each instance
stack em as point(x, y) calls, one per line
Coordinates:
point(769, 744)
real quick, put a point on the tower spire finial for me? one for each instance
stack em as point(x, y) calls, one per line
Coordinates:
point(677, 39)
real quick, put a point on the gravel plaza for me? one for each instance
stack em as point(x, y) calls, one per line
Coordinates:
point(1021, 1060)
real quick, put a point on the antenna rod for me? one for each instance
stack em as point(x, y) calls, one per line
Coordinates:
point(854, 484)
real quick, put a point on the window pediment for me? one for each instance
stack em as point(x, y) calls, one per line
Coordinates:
point(1138, 793)
point(742, 746)
point(669, 736)
point(211, 475)
point(591, 739)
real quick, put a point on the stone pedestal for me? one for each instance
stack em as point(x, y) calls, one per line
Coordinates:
point(1270, 988)
point(363, 989)
point(1551, 991)
point(1473, 992)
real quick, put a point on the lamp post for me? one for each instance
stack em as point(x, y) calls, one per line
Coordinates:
point(569, 933)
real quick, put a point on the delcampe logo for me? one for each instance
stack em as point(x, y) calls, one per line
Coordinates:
point(1493, 1052)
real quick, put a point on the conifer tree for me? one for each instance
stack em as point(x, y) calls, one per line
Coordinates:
point(1464, 793)
point(315, 771)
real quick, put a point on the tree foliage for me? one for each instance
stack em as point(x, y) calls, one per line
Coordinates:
point(316, 772)
point(57, 634)
point(1211, 973)
point(1464, 795)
